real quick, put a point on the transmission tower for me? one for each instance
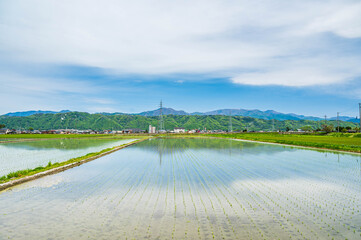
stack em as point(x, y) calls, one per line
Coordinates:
point(161, 120)
point(273, 125)
point(338, 123)
point(230, 128)
point(360, 115)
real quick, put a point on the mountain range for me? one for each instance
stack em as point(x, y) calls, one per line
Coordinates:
point(267, 115)
point(32, 112)
point(97, 121)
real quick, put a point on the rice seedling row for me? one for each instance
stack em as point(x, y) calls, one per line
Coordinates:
point(265, 202)
point(221, 206)
point(193, 189)
point(231, 205)
point(188, 179)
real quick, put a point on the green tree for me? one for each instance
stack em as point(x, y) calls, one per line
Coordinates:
point(288, 126)
point(327, 128)
point(2, 125)
point(307, 128)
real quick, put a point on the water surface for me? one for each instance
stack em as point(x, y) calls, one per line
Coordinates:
point(192, 189)
point(16, 156)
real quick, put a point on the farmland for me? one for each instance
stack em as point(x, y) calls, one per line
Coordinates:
point(193, 189)
point(30, 154)
point(335, 141)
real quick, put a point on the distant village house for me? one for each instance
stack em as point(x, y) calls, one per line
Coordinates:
point(133, 130)
point(179, 130)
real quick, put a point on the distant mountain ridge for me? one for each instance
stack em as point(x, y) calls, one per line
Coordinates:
point(269, 114)
point(254, 113)
point(97, 121)
point(165, 111)
point(32, 112)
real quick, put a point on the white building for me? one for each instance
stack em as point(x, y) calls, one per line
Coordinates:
point(179, 130)
point(4, 131)
point(151, 129)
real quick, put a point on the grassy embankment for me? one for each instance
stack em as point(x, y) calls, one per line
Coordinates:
point(41, 136)
point(29, 172)
point(334, 141)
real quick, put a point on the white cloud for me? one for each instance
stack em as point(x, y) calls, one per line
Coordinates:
point(289, 77)
point(252, 42)
point(97, 109)
point(99, 100)
point(303, 72)
point(28, 93)
point(40, 85)
point(342, 19)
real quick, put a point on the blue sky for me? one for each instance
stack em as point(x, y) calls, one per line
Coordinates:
point(302, 57)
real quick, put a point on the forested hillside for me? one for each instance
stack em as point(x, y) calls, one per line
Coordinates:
point(81, 120)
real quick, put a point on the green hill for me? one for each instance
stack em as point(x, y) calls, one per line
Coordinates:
point(81, 120)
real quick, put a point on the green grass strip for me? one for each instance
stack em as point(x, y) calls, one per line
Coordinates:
point(341, 142)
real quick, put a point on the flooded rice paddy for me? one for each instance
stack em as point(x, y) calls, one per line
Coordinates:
point(26, 154)
point(192, 189)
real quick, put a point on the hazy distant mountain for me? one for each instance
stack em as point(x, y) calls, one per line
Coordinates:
point(346, 118)
point(255, 113)
point(269, 114)
point(166, 111)
point(110, 114)
point(354, 120)
point(29, 113)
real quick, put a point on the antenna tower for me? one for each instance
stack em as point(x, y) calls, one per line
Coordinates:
point(161, 120)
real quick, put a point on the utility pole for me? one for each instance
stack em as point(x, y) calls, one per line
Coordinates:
point(360, 115)
point(338, 124)
point(325, 119)
point(273, 125)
